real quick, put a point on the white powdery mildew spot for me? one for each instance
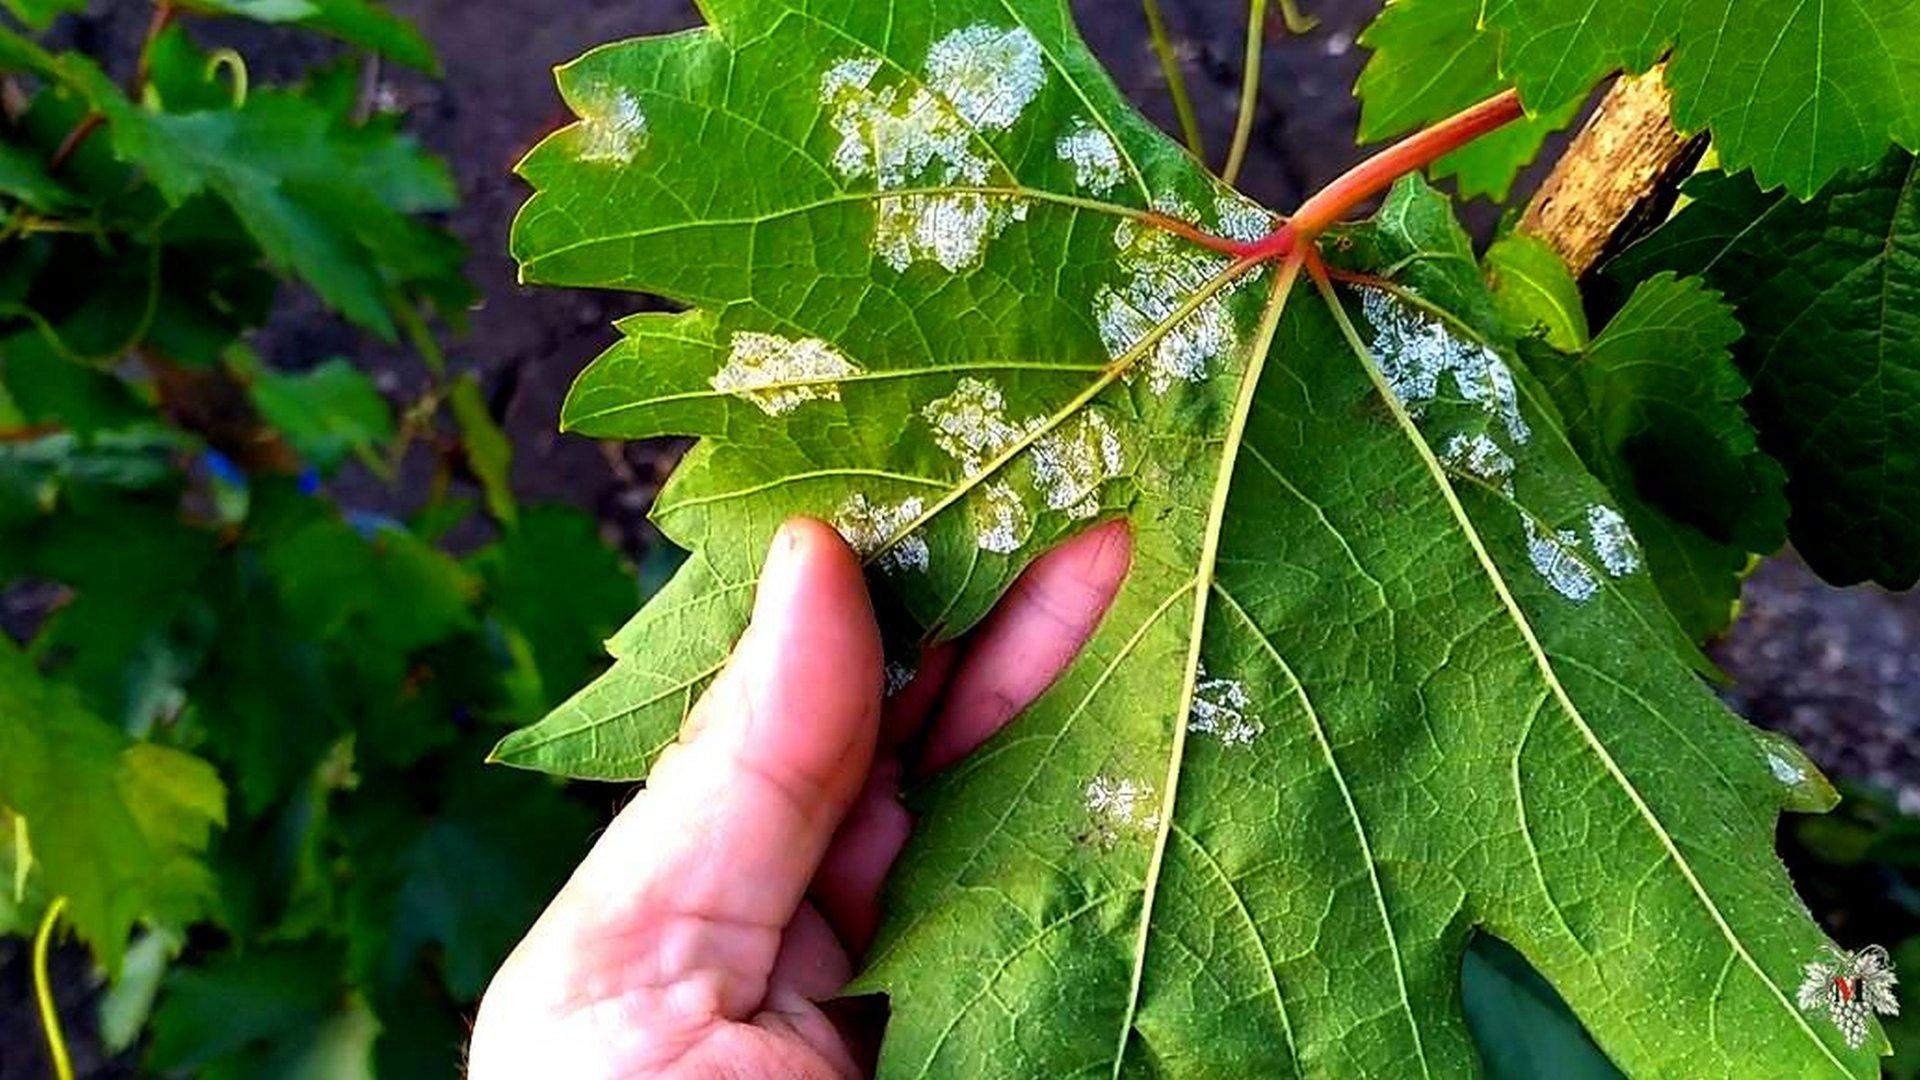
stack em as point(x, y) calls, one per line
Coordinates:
point(1613, 541)
point(896, 141)
point(780, 373)
point(1096, 160)
point(1163, 273)
point(612, 127)
point(1785, 771)
point(1480, 457)
point(1001, 520)
point(1413, 349)
point(1119, 804)
point(1242, 219)
point(981, 78)
point(988, 74)
point(1553, 555)
point(1221, 708)
point(951, 230)
point(1070, 465)
point(869, 526)
point(971, 423)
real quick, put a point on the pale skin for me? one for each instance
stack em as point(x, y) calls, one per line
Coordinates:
point(712, 926)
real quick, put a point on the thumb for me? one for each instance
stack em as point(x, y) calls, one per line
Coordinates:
point(700, 875)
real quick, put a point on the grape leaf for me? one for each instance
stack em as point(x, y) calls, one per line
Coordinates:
point(561, 588)
point(266, 1012)
point(1829, 294)
point(361, 22)
point(327, 413)
point(464, 878)
point(117, 826)
point(38, 13)
point(1654, 404)
point(1430, 60)
point(1797, 93)
point(1387, 667)
point(25, 178)
point(1535, 292)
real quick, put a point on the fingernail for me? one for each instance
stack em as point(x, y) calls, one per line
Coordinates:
point(780, 574)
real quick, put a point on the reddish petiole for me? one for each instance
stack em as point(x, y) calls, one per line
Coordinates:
point(1358, 184)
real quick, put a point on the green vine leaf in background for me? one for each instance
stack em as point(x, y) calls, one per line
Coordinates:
point(116, 826)
point(1829, 294)
point(1430, 60)
point(1654, 404)
point(1795, 93)
point(244, 728)
point(1389, 668)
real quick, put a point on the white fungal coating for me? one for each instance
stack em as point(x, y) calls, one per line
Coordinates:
point(1242, 219)
point(971, 423)
point(869, 527)
point(1001, 519)
point(612, 127)
point(1071, 464)
point(1413, 350)
point(897, 141)
point(1118, 804)
point(1222, 708)
point(1613, 541)
point(951, 230)
point(780, 373)
point(1480, 457)
point(980, 78)
point(1095, 159)
point(988, 74)
point(1161, 273)
point(1554, 556)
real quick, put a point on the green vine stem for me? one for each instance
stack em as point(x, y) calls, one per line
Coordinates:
point(1249, 91)
point(43, 992)
point(1176, 80)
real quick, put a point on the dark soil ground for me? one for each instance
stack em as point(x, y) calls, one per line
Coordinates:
point(1837, 670)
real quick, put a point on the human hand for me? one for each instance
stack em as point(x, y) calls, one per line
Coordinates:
point(709, 928)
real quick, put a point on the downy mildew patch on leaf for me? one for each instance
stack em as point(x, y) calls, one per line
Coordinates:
point(1336, 720)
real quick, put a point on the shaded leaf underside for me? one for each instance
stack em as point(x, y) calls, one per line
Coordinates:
point(1386, 667)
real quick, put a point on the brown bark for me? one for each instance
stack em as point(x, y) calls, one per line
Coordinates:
point(1618, 175)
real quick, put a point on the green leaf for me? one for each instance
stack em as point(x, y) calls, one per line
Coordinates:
point(1829, 294)
point(38, 13)
point(271, 1011)
point(328, 203)
point(365, 23)
point(1430, 60)
point(117, 827)
point(1523, 1029)
point(1535, 292)
point(554, 581)
point(1654, 405)
point(24, 177)
point(465, 881)
point(489, 454)
point(326, 413)
point(1797, 93)
point(1364, 690)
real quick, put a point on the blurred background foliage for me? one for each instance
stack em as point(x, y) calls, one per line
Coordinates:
point(275, 572)
point(242, 718)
